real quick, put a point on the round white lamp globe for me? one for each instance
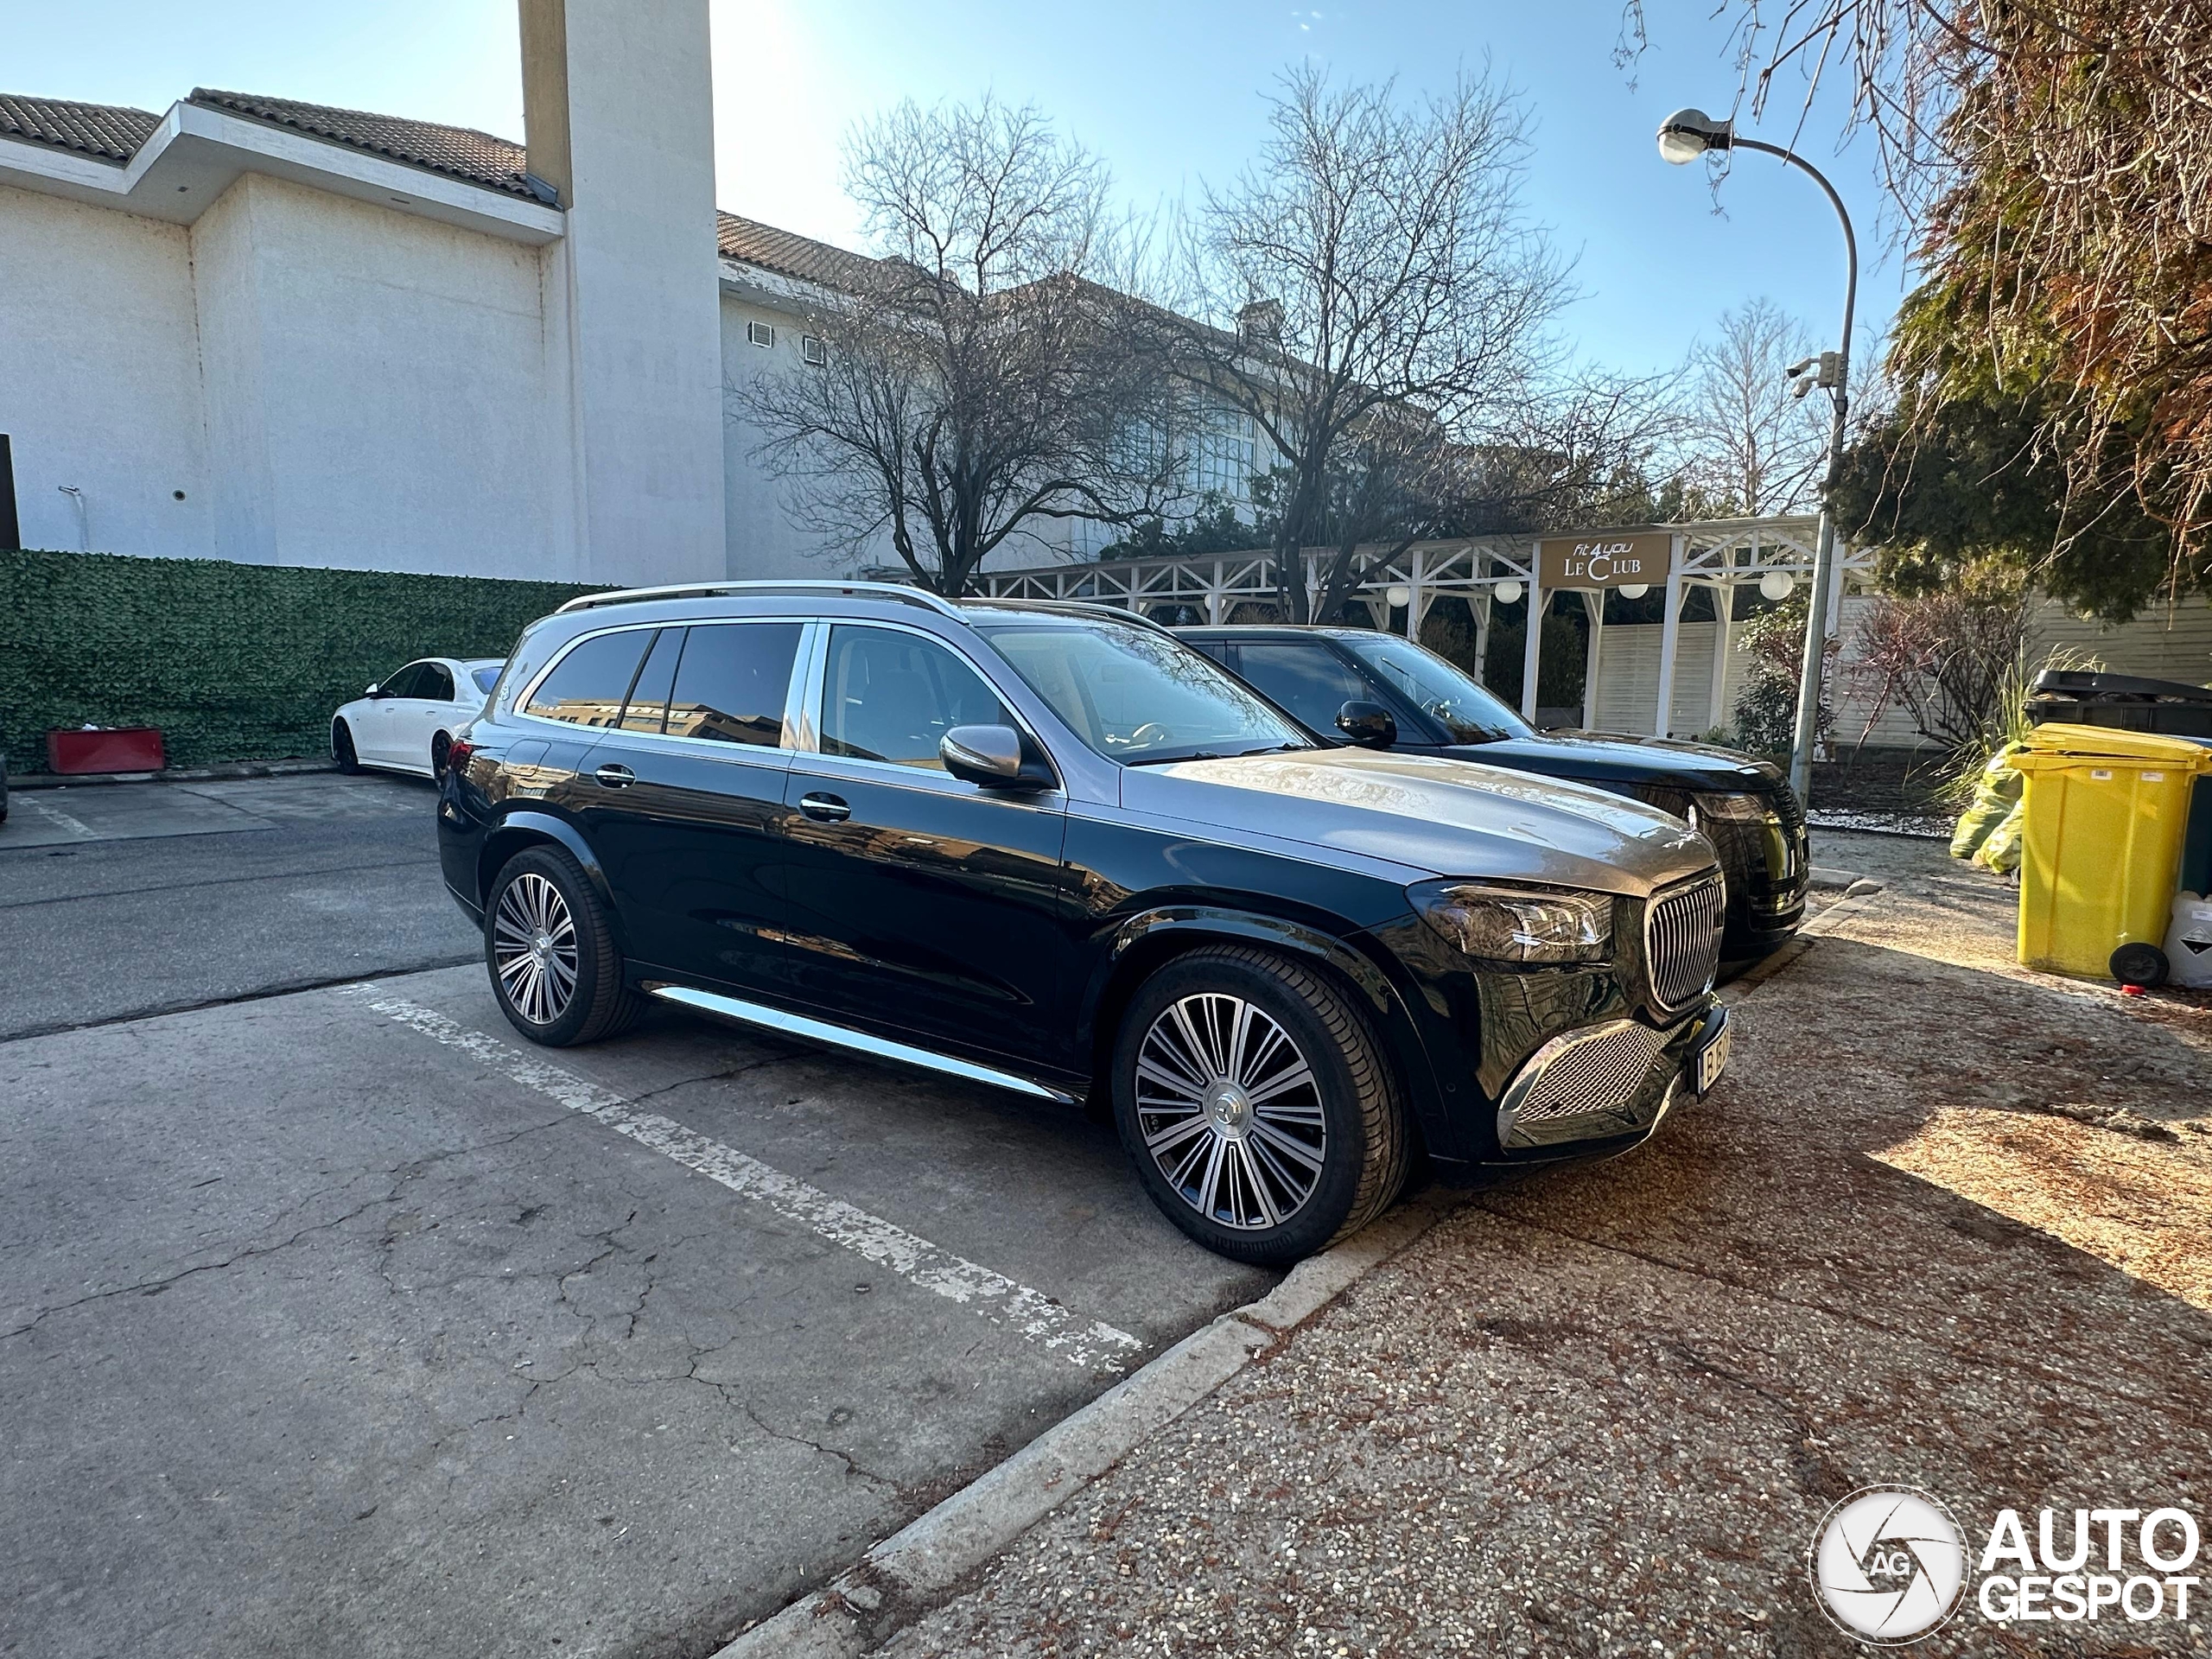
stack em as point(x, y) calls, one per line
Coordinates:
point(1634, 589)
point(1777, 585)
point(1399, 596)
point(1508, 592)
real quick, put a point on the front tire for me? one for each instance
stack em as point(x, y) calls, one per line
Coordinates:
point(341, 749)
point(546, 942)
point(1259, 1107)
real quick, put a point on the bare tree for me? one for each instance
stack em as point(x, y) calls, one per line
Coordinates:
point(1371, 297)
point(1750, 445)
point(978, 387)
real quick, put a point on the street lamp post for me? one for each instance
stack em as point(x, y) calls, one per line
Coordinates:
point(1683, 137)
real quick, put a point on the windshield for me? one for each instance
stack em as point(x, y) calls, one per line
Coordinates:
point(1438, 689)
point(1138, 696)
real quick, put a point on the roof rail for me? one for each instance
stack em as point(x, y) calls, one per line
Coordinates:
point(765, 589)
point(1081, 607)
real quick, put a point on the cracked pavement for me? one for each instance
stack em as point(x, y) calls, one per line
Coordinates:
point(1919, 1234)
point(320, 1337)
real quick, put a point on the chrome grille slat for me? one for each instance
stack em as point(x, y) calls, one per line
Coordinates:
point(1681, 941)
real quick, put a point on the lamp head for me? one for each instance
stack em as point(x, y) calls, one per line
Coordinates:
point(1688, 134)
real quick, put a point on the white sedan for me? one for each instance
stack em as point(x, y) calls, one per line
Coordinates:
point(406, 722)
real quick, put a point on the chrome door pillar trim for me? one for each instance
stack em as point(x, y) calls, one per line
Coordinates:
point(821, 1031)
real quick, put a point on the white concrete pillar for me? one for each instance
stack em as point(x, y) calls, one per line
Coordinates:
point(1670, 637)
point(619, 114)
point(1723, 609)
point(1594, 605)
point(1537, 599)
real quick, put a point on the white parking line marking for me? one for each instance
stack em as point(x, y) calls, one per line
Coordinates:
point(58, 819)
point(1031, 1313)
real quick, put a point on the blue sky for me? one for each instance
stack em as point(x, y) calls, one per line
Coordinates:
point(1169, 92)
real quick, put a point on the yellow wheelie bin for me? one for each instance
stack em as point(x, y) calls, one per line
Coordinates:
point(2105, 812)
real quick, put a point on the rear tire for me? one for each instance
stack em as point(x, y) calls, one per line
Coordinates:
point(550, 950)
point(341, 749)
point(440, 747)
point(1258, 1104)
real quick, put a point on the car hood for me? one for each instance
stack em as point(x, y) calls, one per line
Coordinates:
point(1609, 761)
point(1441, 816)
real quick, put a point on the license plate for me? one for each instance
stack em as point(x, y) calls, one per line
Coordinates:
point(1713, 1060)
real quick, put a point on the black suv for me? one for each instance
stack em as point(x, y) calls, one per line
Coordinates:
point(1057, 850)
point(1414, 702)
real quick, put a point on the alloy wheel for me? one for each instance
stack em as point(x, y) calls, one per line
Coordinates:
point(534, 948)
point(1231, 1111)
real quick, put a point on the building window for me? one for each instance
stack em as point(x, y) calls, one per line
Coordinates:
point(760, 334)
point(1222, 459)
point(811, 348)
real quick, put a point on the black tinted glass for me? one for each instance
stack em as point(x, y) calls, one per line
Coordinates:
point(1308, 680)
point(731, 682)
point(890, 696)
point(487, 677)
point(648, 707)
point(588, 685)
point(402, 683)
point(435, 683)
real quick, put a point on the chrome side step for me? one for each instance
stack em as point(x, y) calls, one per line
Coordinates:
point(821, 1031)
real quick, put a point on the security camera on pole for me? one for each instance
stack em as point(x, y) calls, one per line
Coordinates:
point(1683, 137)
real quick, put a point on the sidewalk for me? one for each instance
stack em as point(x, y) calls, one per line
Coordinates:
point(1947, 1223)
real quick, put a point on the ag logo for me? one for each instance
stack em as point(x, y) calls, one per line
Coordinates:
point(1889, 1564)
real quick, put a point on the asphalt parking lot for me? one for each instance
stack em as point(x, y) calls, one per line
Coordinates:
point(340, 1321)
point(121, 900)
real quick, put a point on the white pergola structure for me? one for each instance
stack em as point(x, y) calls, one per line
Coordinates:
point(1720, 555)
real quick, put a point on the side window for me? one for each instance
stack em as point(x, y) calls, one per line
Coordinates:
point(648, 707)
point(402, 683)
point(1308, 680)
point(435, 683)
point(732, 681)
point(888, 696)
point(587, 687)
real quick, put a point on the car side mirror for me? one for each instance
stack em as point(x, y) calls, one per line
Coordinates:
point(374, 691)
point(991, 756)
point(1368, 724)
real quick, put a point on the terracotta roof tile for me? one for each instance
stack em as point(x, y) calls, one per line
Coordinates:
point(790, 255)
point(107, 131)
point(458, 152)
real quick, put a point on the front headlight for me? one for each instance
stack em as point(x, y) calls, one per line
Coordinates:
point(1510, 925)
point(1732, 809)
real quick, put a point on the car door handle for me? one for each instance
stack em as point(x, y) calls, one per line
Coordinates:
point(827, 808)
point(615, 777)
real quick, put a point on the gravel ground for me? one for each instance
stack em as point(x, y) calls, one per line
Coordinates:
point(1946, 1223)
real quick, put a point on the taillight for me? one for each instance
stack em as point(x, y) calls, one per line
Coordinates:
point(457, 753)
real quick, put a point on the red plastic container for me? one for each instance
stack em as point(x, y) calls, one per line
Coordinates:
point(126, 748)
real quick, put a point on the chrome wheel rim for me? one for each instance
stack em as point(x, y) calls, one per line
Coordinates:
point(534, 948)
point(1231, 1111)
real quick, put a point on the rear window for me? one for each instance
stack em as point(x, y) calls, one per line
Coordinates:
point(487, 676)
point(588, 686)
point(732, 681)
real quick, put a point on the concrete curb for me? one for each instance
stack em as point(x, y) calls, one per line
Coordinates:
point(915, 1568)
point(172, 775)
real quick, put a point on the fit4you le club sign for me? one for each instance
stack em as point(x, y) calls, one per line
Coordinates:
point(1608, 558)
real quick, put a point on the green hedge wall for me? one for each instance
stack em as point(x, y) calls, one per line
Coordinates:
point(233, 661)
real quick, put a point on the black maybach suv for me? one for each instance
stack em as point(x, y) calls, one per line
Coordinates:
point(1053, 848)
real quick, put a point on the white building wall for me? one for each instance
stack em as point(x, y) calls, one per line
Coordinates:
point(99, 378)
point(397, 373)
point(766, 517)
